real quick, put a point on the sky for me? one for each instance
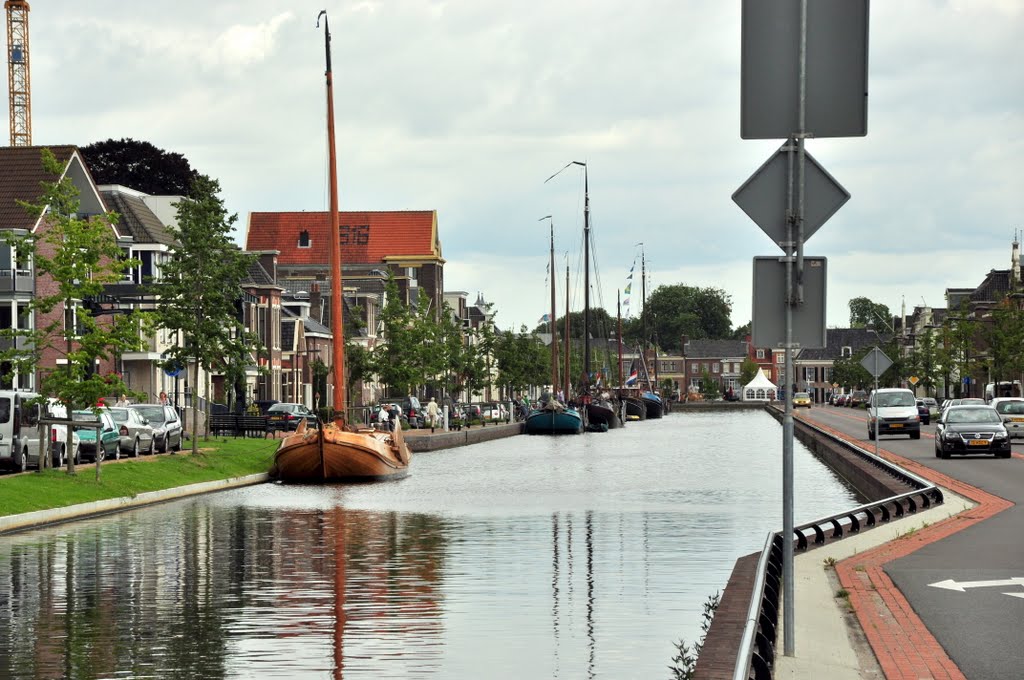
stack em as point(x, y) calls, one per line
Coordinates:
point(466, 107)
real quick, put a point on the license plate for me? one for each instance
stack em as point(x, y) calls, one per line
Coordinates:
point(978, 442)
point(1017, 420)
point(895, 425)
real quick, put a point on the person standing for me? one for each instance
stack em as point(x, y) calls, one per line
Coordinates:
point(432, 413)
point(163, 399)
point(122, 402)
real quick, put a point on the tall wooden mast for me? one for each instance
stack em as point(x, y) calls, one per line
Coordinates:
point(337, 287)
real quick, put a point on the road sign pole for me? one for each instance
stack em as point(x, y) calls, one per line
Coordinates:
point(874, 397)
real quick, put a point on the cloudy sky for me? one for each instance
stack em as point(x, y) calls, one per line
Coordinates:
point(467, 106)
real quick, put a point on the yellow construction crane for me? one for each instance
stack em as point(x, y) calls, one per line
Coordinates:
point(17, 72)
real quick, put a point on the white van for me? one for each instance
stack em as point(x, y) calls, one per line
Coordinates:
point(19, 430)
point(895, 411)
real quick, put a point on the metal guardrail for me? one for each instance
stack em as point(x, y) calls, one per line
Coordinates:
point(755, 659)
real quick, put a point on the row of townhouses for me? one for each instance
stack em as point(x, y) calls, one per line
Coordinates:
point(284, 300)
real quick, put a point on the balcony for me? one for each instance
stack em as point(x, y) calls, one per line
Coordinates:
point(17, 281)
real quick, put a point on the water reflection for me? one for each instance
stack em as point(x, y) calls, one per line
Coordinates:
point(528, 557)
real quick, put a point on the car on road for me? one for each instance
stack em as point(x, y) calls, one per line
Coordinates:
point(893, 410)
point(857, 398)
point(110, 437)
point(840, 399)
point(801, 399)
point(285, 417)
point(971, 429)
point(1011, 411)
point(167, 428)
point(928, 409)
point(135, 431)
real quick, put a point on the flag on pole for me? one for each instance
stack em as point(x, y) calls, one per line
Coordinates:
point(544, 319)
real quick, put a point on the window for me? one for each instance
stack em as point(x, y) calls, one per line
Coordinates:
point(808, 374)
point(304, 241)
point(780, 358)
point(760, 354)
point(694, 368)
point(846, 352)
point(716, 367)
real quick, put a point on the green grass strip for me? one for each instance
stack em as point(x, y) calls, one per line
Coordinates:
point(218, 459)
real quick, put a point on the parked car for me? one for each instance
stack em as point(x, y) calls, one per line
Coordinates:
point(1011, 411)
point(265, 404)
point(841, 399)
point(110, 437)
point(857, 398)
point(923, 413)
point(933, 407)
point(135, 431)
point(285, 417)
point(19, 430)
point(386, 408)
point(893, 410)
point(413, 411)
point(801, 399)
point(971, 429)
point(167, 428)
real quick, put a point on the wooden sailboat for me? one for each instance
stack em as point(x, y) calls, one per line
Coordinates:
point(653, 403)
point(338, 451)
point(553, 416)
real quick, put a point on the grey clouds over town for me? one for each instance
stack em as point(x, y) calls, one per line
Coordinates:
point(467, 107)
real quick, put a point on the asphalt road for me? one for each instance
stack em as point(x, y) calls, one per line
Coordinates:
point(978, 619)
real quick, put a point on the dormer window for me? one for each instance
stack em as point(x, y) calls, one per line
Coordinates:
point(846, 352)
point(304, 239)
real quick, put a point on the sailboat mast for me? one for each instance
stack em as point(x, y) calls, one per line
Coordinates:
point(337, 325)
point(554, 335)
point(586, 276)
point(618, 313)
point(565, 376)
point(643, 307)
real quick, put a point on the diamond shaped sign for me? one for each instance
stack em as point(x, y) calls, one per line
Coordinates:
point(875, 362)
point(765, 196)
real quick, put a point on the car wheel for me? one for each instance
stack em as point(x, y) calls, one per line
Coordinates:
point(915, 435)
point(117, 452)
point(58, 457)
point(78, 455)
point(944, 455)
point(1003, 454)
point(177, 446)
point(23, 465)
point(163, 445)
point(152, 446)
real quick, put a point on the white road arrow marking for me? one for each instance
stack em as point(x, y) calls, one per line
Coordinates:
point(1020, 595)
point(962, 586)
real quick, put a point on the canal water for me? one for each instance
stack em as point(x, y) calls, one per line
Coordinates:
point(528, 557)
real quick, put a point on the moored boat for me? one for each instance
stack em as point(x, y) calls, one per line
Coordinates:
point(554, 417)
point(602, 409)
point(337, 451)
point(653, 403)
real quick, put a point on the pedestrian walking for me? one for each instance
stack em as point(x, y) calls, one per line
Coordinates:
point(432, 413)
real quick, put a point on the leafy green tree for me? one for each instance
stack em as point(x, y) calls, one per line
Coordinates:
point(674, 311)
point(358, 368)
point(392, 359)
point(742, 332)
point(748, 369)
point(523, 361)
point(202, 285)
point(141, 166)
point(1004, 335)
point(81, 256)
point(961, 332)
point(864, 312)
point(709, 387)
point(924, 361)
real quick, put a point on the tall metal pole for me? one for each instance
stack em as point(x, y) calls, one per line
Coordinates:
point(586, 274)
point(565, 376)
point(794, 296)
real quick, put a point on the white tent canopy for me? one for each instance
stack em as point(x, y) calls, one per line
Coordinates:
point(760, 389)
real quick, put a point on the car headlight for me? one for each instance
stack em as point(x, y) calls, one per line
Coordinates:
point(1000, 435)
point(950, 435)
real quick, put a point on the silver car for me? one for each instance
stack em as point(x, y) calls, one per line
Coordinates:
point(166, 425)
point(135, 430)
point(1011, 411)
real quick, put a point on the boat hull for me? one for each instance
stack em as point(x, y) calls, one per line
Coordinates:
point(546, 421)
point(335, 454)
point(635, 407)
point(601, 412)
point(655, 407)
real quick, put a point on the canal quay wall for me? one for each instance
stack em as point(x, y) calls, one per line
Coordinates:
point(717, 659)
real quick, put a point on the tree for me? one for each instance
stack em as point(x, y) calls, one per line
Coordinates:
point(674, 311)
point(742, 332)
point(81, 256)
point(1004, 335)
point(864, 312)
point(140, 166)
point(202, 285)
point(748, 370)
point(522, 359)
point(924, 361)
point(391, 360)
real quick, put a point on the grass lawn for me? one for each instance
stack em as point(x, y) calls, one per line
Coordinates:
point(218, 459)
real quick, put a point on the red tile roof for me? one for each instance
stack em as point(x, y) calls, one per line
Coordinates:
point(366, 237)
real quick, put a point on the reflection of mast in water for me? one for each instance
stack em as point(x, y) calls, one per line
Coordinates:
point(568, 554)
point(590, 592)
point(340, 558)
point(554, 583)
